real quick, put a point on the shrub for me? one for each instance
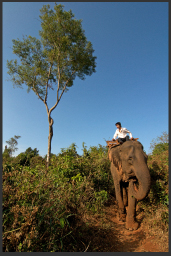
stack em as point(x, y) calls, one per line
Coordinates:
point(6, 156)
point(158, 166)
point(157, 200)
point(37, 162)
point(39, 207)
point(24, 158)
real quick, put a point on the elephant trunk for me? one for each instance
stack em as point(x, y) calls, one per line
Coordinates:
point(144, 180)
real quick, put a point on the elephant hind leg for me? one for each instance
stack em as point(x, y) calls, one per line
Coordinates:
point(119, 198)
point(124, 199)
point(122, 211)
point(121, 215)
point(125, 196)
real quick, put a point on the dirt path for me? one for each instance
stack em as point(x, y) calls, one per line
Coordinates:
point(139, 240)
point(110, 235)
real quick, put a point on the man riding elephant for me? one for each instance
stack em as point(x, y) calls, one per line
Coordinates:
point(121, 133)
point(131, 178)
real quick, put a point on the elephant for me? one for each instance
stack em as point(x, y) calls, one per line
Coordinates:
point(131, 178)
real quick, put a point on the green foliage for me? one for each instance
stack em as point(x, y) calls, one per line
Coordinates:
point(160, 144)
point(159, 148)
point(12, 144)
point(37, 162)
point(6, 156)
point(39, 207)
point(32, 152)
point(158, 197)
point(158, 165)
point(24, 158)
point(62, 35)
point(61, 53)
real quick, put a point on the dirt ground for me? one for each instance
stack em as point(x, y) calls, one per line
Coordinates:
point(108, 234)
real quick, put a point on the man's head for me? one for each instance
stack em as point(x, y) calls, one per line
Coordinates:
point(118, 125)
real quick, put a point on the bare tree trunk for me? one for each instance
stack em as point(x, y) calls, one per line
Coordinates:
point(49, 139)
point(49, 113)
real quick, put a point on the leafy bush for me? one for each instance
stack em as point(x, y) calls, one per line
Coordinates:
point(39, 207)
point(158, 197)
point(24, 158)
point(6, 156)
point(158, 165)
point(160, 144)
point(159, 148)
point(37, 162)
point(159, 170)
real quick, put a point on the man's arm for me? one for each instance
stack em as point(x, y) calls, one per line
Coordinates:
point(115, 135)
point(130, 134)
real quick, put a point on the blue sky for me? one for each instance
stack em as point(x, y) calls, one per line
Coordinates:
point(130, 85)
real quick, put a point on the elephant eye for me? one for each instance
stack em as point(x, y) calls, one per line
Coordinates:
point(130, 160)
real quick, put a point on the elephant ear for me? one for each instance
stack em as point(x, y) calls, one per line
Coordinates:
point(145, 155)
point(114, 156)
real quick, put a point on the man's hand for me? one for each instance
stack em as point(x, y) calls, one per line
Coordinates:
point(132, 138)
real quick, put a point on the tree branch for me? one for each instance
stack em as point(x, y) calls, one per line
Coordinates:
point(61, 93)
point(58, 82)
point(37, 92)
point(47, 83)
point(44, 101)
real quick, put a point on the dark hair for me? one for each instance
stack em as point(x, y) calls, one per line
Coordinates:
point(118, 123)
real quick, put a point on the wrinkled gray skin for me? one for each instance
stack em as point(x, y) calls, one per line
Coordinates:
point(131, 178)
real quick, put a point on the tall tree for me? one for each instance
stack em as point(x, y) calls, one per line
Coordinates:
point(60, 55)
point(161, 143)
point(12, 144)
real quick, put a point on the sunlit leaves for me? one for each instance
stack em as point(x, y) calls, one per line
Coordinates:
point(62, 36)
point(13, 143)
point(62, 50)
point(33, 68)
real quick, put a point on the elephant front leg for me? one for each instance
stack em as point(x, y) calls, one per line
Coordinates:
point(131, 224)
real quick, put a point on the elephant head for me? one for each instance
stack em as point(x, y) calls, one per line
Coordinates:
point(131, 163)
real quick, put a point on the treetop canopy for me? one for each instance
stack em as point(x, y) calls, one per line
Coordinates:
point(61, 53)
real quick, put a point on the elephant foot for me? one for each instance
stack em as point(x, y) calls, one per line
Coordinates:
point(122, 217)
point(131, 224)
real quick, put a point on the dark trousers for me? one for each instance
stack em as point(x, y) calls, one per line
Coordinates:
point(123, 139)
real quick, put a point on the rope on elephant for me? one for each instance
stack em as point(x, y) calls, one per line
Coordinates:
point(112, 144)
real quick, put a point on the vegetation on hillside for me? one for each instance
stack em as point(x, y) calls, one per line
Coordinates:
point(41, 210)
point(156, 204)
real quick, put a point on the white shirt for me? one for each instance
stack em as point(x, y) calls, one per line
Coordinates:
point(122, 133)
